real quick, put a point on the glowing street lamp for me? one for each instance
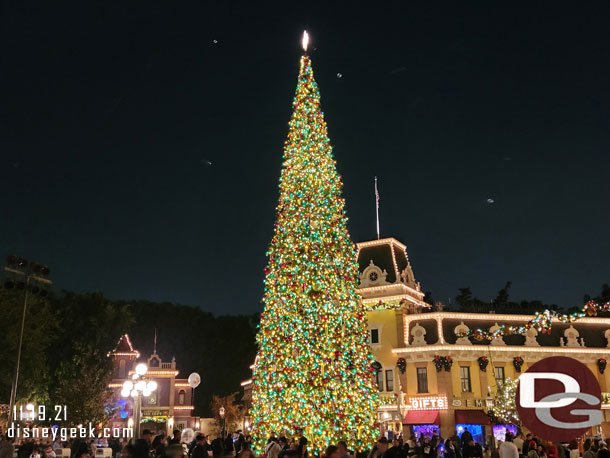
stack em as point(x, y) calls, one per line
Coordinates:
point(141, 369)
point(221, 411)
point(138, 386)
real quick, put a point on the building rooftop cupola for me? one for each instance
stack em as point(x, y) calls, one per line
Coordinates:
point(386, 273)
point(383, 262)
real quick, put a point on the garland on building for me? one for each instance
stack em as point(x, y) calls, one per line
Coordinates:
point(504, 408)
point(517, 363)
point(601, 365)
point(483, 362)
point(542, 322)
point(314, 373)
point(155, 418)
point(401, 363)
point(385, 305)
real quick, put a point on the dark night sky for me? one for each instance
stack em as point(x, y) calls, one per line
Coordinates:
point(110, 109)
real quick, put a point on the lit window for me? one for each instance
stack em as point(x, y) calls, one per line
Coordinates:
point(181, 396)
point(380, 380)
point(499, 374)
point(465, 379)
point(422, 380)
point(389, 380)
point(374, 336)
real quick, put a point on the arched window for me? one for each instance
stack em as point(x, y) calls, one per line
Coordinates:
point(122, 368)
point(181, 396)
point(378, 374)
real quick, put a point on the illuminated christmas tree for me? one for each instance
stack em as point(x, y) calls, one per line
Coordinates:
point(313, 373)
point(504, 408)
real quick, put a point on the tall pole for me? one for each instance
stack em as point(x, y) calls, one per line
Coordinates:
point(137, 415)
point(377, 206)
point(16, 376)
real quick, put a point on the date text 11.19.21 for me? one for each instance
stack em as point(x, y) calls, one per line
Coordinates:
point(30, 412)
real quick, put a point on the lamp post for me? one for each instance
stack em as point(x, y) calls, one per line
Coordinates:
point(138, 386)
point(32, 274)
point(221, 411)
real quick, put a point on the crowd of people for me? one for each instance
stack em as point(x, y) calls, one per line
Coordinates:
point(530, 446)
point(149, 445)
point(238, 445)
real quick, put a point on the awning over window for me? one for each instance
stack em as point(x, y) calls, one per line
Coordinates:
point(471, 417)
point(421, 417)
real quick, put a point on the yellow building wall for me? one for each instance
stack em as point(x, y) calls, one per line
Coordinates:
point(456, 385)
point(385, 321)
point(432, 379)
point(411, 374)
point(475, 376)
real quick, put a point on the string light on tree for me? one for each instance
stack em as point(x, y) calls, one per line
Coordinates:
point(313, 373)
point(504, 407)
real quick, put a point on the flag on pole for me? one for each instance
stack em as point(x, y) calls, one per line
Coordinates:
point(376, 194)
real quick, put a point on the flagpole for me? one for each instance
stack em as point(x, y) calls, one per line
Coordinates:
point(377, 206)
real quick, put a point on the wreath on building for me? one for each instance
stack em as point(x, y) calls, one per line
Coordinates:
point(441, 362)
point(517, 363)
point(438, 362)
point(402, 365)
point(483, 362)
point(601, 365)
point(376, 366)
point(448, 363)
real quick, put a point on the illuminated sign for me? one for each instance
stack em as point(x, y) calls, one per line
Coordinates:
point(429, 403)
point(155, 413)
point(477, 403)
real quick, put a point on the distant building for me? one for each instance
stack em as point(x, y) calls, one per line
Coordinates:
point(169, 407)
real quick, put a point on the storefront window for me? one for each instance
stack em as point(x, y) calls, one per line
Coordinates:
point(499, 374)
point(465, 379)
point(380, 380)
point(501, 430)
point(476, 431)
point(425, 430)
point(389, 380)
point(422, 380)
